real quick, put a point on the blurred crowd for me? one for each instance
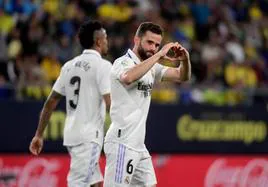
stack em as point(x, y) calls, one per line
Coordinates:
point(227, 40)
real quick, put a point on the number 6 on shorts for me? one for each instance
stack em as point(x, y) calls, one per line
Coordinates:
point(129, 167)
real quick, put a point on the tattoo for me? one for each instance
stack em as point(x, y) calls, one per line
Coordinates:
point(50, 104)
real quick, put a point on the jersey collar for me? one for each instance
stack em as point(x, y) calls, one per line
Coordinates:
point(91, 51)
point(133, 56)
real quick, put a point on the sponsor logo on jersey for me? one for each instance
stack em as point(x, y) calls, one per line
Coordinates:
point(145, 88)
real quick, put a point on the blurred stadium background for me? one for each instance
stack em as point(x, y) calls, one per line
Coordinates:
point(208, 132)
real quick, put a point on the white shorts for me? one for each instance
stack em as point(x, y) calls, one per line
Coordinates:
point(126, 167)
point(84, 167)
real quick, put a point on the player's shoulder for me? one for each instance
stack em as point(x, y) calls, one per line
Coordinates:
point(123, 61)
point(70, 63)
point(106, 62)
point(103, 65)
point(67, 64)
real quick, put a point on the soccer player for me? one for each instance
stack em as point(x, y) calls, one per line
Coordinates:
point(85, 82)
point(128, 162)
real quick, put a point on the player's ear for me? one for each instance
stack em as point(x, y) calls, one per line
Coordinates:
point(137, 40)
point(98, 42)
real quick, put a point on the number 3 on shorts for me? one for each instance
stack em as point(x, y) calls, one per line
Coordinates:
point(129, 167)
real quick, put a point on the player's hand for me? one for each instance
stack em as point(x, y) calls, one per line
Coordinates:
point(36, 145)
point(177, 53)
point(166, 48)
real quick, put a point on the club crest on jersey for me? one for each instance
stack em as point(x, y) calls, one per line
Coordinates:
point(145, 88)
point(124, 63)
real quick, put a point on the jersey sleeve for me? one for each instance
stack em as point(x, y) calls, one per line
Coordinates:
point(103, 78)
point(120, 66)
point(59, 84)
point(159, 71)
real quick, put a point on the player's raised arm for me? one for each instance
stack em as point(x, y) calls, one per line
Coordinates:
point(49, 106)
point(142, 68)
point(183, 72)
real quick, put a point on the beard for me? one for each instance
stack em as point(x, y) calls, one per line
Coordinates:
point(144, 54)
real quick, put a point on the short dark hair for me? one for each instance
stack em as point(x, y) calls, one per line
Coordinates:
point(149, 26)
point(86, 33)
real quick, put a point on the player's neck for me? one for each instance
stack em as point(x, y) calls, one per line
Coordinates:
point(96, 49)
point(135, 50)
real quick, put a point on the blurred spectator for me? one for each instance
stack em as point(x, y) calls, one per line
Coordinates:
point(202, 16)
point(64, 49)
point(211, 54)
point(253, 34)
point(52, 7)
point(169, 9)
point(250, 51)
point(255, 13)
point(119, 11)
point(199, 69)
point(227, 40)
point(7, 22)
point(24, 7)
point(47, 46)
point(14, 69)
point(51, 67)
point(15, 45)
point(240, 76)
point(32, 83)
point(234, 47)
point(118, 43)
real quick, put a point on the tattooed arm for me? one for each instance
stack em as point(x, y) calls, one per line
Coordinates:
point(50, 104)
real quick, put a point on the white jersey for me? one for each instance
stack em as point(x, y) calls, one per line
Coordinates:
point(130, 104)
point(84, 80)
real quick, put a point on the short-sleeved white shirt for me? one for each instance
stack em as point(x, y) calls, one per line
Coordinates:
point(130, 104)
point(84, 80)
